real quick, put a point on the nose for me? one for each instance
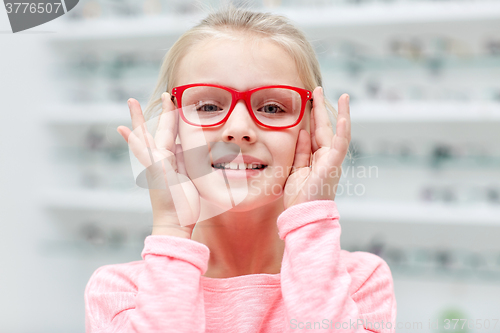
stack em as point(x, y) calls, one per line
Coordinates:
point(240, 127)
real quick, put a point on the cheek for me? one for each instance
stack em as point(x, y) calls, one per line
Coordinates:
point(194, 150)
point(192, 137)
point(283, 148)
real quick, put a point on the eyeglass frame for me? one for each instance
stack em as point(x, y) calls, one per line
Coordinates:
point(236, 96)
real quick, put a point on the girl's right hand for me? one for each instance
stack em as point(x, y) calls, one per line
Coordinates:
point(176, 208)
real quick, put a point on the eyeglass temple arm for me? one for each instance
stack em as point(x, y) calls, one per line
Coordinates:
point(172, 98)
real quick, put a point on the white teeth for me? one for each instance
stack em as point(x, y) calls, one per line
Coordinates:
point(238, 166)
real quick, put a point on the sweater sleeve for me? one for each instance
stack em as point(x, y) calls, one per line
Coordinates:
point(167, 295)
point(324, 291)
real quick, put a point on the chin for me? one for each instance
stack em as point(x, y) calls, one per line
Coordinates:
point(243, 199)
point(253, 202)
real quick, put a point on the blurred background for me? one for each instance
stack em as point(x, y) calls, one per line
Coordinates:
point(421, 188)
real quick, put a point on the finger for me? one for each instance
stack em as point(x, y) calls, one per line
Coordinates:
point(179, 188)
point(302, 151)
point(342, 138)
point(135, 113)
point(322, 131)
point(135, 144)
point(142, 145)
point(140, 149)
point(139, 124)
point(124, 132)
point(167, 125)
point(181, 167)
point(314, 144)
point(340, 144)
point(183, 207)
point(345, 113)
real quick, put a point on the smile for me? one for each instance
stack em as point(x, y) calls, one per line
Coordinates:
point(239, 166)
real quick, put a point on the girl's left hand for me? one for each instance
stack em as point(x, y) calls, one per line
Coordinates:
point(320, 181)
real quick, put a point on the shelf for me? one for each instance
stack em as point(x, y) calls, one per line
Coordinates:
point(417, 111)
point(82, 248)
point(390, 212)
point(426, 162)
point(365, 111)
point(137, 200)
point(424, 62)
point(368, 15)
point(401, 12)
point(444, 279)
point(420, 213)
point(110, 113)
point(113, 27)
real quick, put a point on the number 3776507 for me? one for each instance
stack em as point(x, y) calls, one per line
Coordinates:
point(26, 7)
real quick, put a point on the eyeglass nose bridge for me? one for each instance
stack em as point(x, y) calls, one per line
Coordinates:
point(241, 95)
point(238, 96)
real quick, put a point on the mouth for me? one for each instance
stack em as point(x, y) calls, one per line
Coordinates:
point(239, 166)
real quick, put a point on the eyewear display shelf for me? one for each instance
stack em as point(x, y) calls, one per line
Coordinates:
point(76, 206)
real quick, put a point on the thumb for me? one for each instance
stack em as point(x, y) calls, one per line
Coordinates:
point(302, 151)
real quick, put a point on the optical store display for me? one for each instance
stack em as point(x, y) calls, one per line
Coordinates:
point(435, 155)
point(434, 67)
point(100, 163)
point(435, 262)
point(420, 187)
point(111, 77)
point(108, 77)
point(459, 264)
point(425, 103)
point(93, 9)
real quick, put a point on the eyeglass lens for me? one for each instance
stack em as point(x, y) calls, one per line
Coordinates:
point(204, 105)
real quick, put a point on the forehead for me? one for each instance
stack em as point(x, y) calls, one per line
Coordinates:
point(240, 63)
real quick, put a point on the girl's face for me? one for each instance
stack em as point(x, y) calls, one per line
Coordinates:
point(241, 64)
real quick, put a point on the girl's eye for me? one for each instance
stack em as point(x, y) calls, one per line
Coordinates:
point(208, 108)
point(271, 108)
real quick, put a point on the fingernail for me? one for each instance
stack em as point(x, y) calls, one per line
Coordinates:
point(348, 98)
point(128, 102)
point(163, 96)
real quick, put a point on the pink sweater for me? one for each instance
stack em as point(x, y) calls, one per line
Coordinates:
point(320, 288)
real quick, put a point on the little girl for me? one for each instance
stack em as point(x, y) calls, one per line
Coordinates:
point(246, 235)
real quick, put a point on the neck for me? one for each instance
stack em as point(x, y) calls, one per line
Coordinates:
point(242, 243)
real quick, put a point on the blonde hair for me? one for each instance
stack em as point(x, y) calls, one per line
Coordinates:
point(223, 24)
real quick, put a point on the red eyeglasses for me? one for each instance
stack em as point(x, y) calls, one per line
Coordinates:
point(207, 105)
